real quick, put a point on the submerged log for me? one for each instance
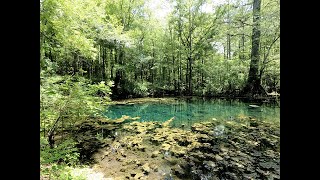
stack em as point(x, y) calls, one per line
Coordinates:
point(273, 93)
point(253, 106)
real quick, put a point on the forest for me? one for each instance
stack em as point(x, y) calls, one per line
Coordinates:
point(145, 61)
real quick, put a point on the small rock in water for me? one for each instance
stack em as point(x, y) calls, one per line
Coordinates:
point(254, 124)
point(219, 130)
point(205, 176)
point(218, 158)
point(165, 171)
point(268, 165)
point(113, 150)
point(167, 154)
point(209, 165)
point(168, 177)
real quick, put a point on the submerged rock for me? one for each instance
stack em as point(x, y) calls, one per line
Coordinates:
point(268, 165)
point(165, 147)
point(155, 154)
point(168, 177)
point(138, 176)
point(177, 169)
point(138, 163)
point(254, 124)
point(209, 165)
point(146, 168)
point(219, 130)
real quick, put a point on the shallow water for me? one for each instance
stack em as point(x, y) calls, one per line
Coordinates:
point(189, 111)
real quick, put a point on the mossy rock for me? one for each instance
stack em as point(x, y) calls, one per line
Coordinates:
point(179, 151)
point(146, 168)
point(179, 171)
point(155, 154)
point(165, 147)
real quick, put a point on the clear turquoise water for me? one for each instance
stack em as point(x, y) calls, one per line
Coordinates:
point(188, 112)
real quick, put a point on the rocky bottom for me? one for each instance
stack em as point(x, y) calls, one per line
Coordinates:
point(243, 148)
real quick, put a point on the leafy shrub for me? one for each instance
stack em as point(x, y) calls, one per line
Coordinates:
point(141, 89)
point(71, 97)
point(65, 152)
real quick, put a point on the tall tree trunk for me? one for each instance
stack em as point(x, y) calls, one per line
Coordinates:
point(163, 75)
point(180, 74)
point(243, 41)
point(253, 85)
point(91, 69)
point(107, 63)
point(190, 76)
point(121, 57)
point(169, 72)
point(141, 72)
point(75, 68)
point(190, 52)
point(152, 61)
point(202, 75)
point(115, 58)
point(187, 80)
point(228, 34)
point(103, 63)
point(51, 56)
point(224, 53)
point(228, 47)
point(174, 73)
point(112, 64)
point(119, 83)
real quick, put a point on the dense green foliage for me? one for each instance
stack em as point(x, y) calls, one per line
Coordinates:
point(72, 98)
point(50, 159)
point(66, 152)
point(203, 48)
point(64, 102)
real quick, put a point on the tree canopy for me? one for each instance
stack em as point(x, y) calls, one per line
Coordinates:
point(193, 47)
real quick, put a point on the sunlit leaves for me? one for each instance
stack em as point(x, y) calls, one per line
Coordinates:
point(72, 98)
point(73, 23)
